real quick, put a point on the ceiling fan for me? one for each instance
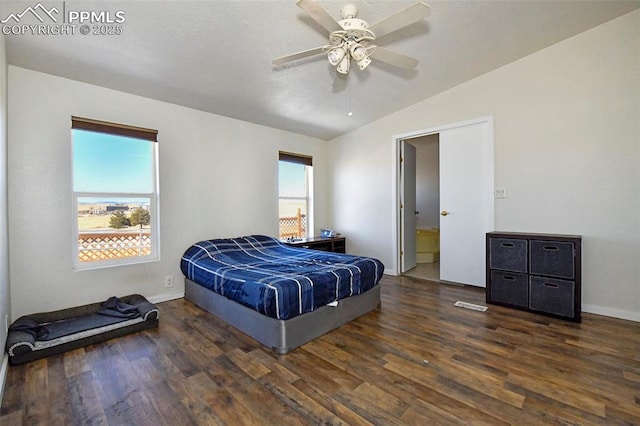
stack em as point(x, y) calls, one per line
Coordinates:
point(352, 38)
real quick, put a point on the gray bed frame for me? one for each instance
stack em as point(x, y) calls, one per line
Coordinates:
point(282, 335)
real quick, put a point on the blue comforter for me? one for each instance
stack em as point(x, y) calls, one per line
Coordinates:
point(275, 279)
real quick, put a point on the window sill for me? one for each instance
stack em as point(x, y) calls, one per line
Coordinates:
point(88, 266)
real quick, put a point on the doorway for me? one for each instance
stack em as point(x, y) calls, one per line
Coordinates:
point(465, 156)
point(427, 207)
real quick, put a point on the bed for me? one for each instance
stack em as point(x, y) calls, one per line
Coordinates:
point(282, 296)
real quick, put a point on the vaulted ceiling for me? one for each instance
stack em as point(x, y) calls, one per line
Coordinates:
point(216, 55)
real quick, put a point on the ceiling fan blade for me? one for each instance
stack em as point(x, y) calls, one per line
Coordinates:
point(299, 55)
point(405, 17)
point(392, 58)
point(319, 15)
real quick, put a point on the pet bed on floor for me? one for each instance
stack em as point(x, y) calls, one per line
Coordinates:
point(40, 335)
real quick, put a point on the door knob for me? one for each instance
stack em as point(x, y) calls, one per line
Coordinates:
point(444, 213)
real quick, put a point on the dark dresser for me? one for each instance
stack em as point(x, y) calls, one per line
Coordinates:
point(535, 272)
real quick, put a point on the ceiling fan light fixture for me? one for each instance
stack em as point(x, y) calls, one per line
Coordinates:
point(358, 51)
point(364, 62)
point(344, 65)
point(336, 55)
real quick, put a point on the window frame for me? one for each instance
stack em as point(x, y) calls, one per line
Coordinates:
point(122, 130)
point(307, 161)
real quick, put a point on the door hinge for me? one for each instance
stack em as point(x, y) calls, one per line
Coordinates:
point(401, 159)
point(401, 206)
point(401, 253)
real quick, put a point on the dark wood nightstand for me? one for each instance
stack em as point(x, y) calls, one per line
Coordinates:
point(334, 244)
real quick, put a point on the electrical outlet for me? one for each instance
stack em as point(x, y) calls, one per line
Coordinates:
point(168, 281)
point(500, 193)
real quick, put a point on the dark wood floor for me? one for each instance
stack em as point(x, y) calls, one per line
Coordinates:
point(417, 360)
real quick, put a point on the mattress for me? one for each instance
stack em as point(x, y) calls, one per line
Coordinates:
point(277, 280)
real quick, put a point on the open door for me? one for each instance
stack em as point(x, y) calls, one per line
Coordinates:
point(407, 206)
point(466, 203)
point(466, 199)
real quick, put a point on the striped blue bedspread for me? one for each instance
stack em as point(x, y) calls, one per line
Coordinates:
point(275, 279)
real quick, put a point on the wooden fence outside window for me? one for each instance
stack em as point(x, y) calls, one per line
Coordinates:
point(113, 245)
point(293, 226)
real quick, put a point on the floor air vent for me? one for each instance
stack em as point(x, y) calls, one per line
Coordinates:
point(471, 306)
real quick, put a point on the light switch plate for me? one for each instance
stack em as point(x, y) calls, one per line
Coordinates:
point(500, 193)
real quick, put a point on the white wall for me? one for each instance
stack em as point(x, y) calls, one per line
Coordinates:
point(5, 301)
point(218, 178)
point(427, 181)
point(566, 126)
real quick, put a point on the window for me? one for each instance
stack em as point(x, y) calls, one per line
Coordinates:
point(115, 201)
point(295, 182)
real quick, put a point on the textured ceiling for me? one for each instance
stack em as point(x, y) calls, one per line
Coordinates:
point(216, 55)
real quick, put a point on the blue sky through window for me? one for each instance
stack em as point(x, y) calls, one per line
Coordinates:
point(291, 179)
point(110, 163)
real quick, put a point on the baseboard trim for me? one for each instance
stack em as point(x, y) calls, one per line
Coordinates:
point(610, 312)
point(592, 309)
point(166, 297)
point(3, 374)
